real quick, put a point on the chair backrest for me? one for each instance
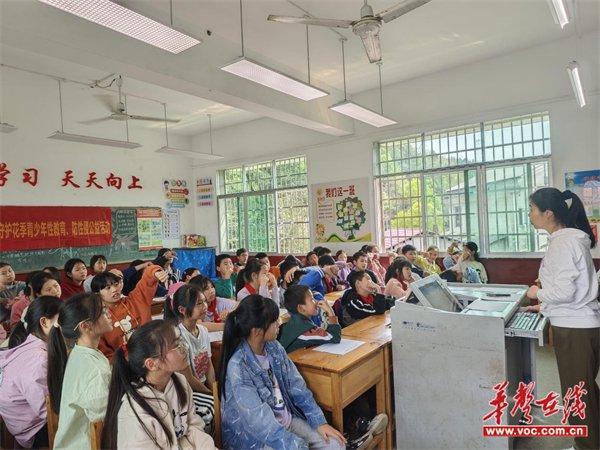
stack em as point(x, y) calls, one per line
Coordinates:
point(217, 405)
point(52, 422)
point(96, 434)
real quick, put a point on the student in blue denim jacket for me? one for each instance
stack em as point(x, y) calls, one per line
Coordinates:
point(265, 403)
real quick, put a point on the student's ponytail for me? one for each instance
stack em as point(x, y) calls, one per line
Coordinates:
point(76, 310)
point(255, 311)
point(187, 297)
point(253, 266)
point(573, 216)
point(47, 307)
point(129, 373)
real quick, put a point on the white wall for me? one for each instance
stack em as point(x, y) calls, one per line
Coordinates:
point(31, 103)
point(523, 82)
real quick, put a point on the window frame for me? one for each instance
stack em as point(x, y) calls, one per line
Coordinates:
point(246, 194)
point(480, 169)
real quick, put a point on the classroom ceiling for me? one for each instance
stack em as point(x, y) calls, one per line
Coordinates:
point(436, 36)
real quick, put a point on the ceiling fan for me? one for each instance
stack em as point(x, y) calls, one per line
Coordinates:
point(120, 111)
point(367, 27)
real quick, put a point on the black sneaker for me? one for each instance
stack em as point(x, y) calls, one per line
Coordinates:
point(360, 442)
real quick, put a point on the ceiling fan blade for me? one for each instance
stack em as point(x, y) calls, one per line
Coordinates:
point(152, 119)
point(94, 121)
point(372, 47)
point(331, 23)
point(107, 100)
point(387, 15)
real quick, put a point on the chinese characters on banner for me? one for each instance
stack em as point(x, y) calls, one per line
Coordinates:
point(341, 211)
point(176, 192)
point(587, 186)
point(204, 191)
point(39, 227)
point(150, 228)
point(92, 180)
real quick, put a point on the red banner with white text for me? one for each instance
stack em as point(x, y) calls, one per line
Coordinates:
point(38, 227)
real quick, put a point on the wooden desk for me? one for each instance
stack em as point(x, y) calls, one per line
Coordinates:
point(333, 296)
point(158, 305)
point(378, 328)
point(337, 380)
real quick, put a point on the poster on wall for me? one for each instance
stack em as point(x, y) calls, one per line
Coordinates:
point(341, 211)
point(39, 227)
point(176, 193)
point(204, 191)
point(150, 228)
point(586, 185)
point(172, 224)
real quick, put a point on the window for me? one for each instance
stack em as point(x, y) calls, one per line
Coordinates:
point(264, 207)
point(465, 183)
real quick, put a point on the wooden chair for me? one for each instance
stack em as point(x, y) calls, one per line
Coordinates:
point(52, 422)
point(7, 440)
point(217, 401)
point(96, 434)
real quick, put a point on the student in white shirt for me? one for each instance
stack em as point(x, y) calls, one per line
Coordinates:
point(568, 297)
point(150, 405)
point(186, 307)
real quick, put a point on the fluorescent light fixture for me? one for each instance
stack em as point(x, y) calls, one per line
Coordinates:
point(573, 69)
point(559, 12)
point(92, 140)
point(189, 153)
point(123, 20)
point(361, 113)
point(7, 127)
point(253, 71)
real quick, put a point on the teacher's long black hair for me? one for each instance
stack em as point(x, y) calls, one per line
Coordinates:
point(573, 216)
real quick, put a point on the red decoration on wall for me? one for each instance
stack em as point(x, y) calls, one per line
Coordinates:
point(37, 227)
point(30, 176)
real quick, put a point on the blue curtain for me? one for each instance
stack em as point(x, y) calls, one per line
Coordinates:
point(201, 258)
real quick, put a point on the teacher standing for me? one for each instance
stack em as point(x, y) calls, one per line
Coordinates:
point(569, 298)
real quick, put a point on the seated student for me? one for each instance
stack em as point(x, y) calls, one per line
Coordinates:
point(398, 278)
point(189, 273)
point(23, 368)
point(242, 259)
point(225, 283)
point(258, 280)
point(265, 403)
point(186, 310)
point(126, 313)
point(9, 290)
point(322, 251)
point(98, 264)
point(322, 280)
point(311, 259)
point(373, 263)
point(163, 286)
point(361, 300)
point(470, 257)
point(78, 380)
point(427, 262)
point(150, 405)
point(263, 258)
point(300, 331)
point(452, 258)
point(410, 253)
point(38, 284)
point(217, 307)
point(341, 255)
point(361, 260)
point(133, 274)
point(74, 276)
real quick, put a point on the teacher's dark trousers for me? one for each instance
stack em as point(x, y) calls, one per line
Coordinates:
point(578, 357)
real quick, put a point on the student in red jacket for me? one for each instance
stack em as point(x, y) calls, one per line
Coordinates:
point(75, 275)
point(126, 313)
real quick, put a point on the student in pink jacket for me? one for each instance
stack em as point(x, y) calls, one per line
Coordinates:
point(23, 387)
